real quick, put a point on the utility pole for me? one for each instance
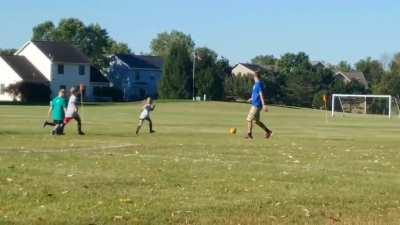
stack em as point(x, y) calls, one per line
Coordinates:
point(194, 69)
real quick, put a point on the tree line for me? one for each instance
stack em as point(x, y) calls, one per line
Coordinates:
point(290, 79)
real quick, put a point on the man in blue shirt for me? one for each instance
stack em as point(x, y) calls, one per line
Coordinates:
point(257, 104)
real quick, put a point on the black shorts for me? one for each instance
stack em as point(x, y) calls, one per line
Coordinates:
point(58, 121)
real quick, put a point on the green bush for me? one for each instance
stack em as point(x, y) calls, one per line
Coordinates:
point(238, 87)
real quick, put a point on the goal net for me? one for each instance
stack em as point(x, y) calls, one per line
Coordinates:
point(364, 104)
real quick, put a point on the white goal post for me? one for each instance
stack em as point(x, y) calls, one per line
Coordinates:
point(363, 101)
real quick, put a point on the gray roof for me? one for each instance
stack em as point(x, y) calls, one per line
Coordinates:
point(24, 68)
point(61, 52)
point(316, 63)
point(355, 76)
point(254, 67)
point(142, 61)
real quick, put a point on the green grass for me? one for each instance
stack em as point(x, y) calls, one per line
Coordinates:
point(345, 171)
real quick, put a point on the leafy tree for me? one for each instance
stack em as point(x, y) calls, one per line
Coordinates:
point(44, 31)
point(9, 51)
point(296, 73)
point(291, 63)
point(70, 30)
point(338, 86)
point(318, 101)
point(238, 87)
point(224, 67)
point(118, 48)
point(209, 74)
point(372, 69)
point(344, 66)
point(161, 45)
point(395, 64)
point(299, 91)
point(176, 82)
point(264, 60)
point(389, 85)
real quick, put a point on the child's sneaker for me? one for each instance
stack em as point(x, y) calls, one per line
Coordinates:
point(268, 135)
point(249, 136)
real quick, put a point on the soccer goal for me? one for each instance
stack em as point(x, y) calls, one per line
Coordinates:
point(364, 104)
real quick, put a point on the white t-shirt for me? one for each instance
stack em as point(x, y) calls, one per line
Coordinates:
point(72, 106)
point(146, 112)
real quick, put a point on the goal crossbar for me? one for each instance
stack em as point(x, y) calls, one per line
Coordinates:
point(389, 97)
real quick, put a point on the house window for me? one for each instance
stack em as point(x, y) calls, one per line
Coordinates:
point(60, 68)
point(81, 69)
point(2, 89)
point(63, 87)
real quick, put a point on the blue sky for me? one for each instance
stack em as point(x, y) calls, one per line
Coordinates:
point(238, 30)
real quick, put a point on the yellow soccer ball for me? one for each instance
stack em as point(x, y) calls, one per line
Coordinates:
point(232, 131)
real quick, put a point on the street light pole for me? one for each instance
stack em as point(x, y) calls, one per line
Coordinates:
point(194, 69)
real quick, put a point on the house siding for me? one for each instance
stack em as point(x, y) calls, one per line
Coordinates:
point(38, 59)
point(71, 78)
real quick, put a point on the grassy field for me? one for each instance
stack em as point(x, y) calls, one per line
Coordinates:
point(192, 171)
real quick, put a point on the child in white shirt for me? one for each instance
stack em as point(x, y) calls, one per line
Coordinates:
point(145, 115)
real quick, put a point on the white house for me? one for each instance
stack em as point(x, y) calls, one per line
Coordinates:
point(60, 64)
point(245, 69)
point(137, 76)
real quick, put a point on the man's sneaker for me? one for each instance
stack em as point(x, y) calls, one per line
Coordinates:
point(249, 136)
point(81, 133)
point(268, 135)
point(45, 123)
point(152, 131)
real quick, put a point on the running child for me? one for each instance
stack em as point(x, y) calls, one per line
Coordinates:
point(145, 115)
point(57, 110)
point(72, 110)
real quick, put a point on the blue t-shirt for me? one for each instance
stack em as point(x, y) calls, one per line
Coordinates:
point(255, 96)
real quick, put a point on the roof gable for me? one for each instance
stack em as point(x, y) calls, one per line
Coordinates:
point(141, 61)
point(61, 52)
point(253, 67)
point(24, 68)
point(354, 76)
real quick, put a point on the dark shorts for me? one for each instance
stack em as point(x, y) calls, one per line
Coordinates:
point(58, 121)
point(74, 116)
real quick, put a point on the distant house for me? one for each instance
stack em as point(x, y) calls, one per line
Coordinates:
point(245, 69)
point(347, 77)
point(59, 64)
point(319, 64)
point(137, 76)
